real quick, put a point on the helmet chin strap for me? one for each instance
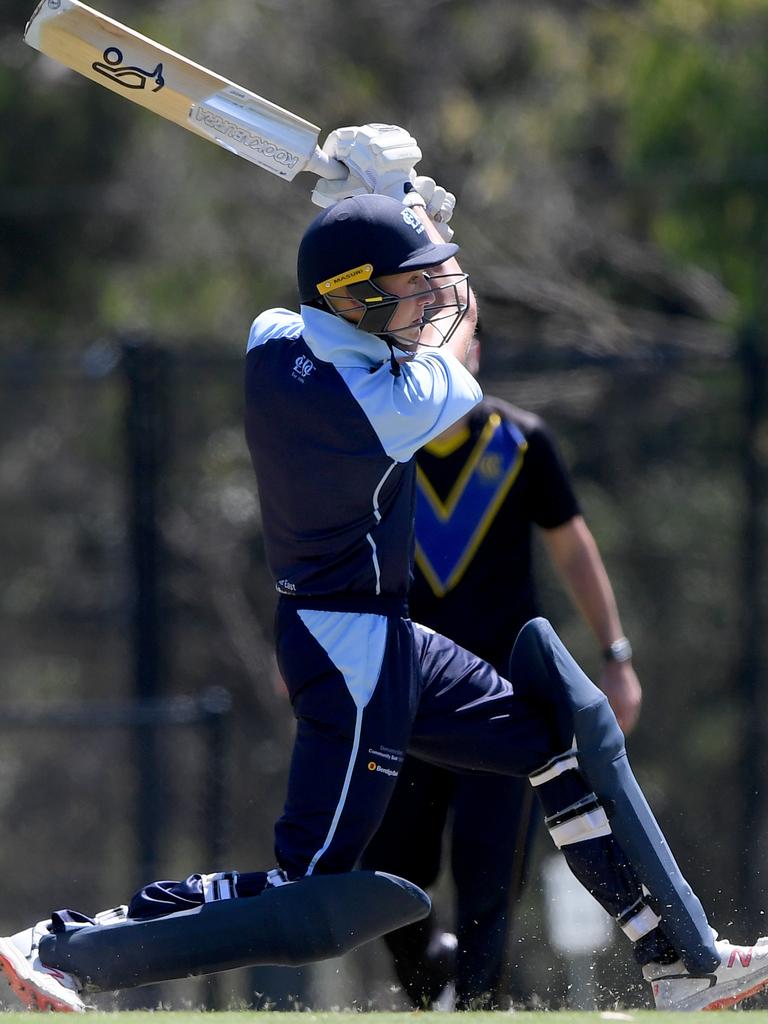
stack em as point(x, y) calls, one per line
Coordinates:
point(394, 363)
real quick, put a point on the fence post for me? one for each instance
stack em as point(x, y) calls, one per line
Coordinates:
point(147, 428)
point(215, 705)
point(753, 360)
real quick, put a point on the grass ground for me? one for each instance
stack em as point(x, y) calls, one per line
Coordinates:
point(279, 1017)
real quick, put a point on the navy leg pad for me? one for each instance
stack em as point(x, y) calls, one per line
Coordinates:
point(541, 665)
point(313, 919)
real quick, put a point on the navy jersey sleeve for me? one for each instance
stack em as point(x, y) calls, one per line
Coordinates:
point(551, 495)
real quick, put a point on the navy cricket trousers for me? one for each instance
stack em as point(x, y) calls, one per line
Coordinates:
point(366, 688)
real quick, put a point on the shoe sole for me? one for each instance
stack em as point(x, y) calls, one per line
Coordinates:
point(33, 997)
point(723, 1001)
point(727, 1001)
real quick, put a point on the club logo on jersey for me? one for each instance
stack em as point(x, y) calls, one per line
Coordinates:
point(302, 368)
point(412, 219)
point(491, 466)
point(129, 77)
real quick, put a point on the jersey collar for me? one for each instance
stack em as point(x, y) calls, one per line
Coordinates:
point(333, 340)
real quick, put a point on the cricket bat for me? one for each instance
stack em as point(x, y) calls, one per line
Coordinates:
point(176, 88)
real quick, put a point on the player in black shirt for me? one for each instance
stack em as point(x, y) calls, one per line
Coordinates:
point(482, 487)
point(480, 493)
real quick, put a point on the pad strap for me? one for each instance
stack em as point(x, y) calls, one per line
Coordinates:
point(114, 914)
point(583, 820)
point(638, 920)
point(277, 877)
point(219, 886)
point(562, 763)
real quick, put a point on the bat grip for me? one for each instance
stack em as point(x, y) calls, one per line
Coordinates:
point(325, 166)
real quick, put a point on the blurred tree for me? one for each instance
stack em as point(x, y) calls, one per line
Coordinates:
point(696, 153)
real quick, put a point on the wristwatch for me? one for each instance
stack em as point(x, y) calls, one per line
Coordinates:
point(620, 650)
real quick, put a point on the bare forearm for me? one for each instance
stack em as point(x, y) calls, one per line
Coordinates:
point(574, 554)
point(460, 342)
point(576, 557)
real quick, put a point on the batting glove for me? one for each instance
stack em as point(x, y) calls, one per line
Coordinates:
point(380, 158)
point(439, 204)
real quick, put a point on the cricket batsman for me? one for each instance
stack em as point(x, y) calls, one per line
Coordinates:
point(339, 397)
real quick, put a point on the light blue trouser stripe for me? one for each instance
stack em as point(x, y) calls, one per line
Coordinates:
point(344, 791)
point(355, 643)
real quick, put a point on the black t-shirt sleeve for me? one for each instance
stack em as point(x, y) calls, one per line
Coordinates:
point(552, 501)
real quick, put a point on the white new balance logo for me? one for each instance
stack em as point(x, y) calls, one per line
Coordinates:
point(302, 368)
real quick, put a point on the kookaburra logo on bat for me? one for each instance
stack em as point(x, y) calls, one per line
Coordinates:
point(111, 66)
point(211, 106)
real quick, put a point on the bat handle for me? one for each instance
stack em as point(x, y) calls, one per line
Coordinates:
point(325, 166)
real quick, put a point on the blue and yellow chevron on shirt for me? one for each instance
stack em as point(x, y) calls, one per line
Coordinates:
point(448, 533)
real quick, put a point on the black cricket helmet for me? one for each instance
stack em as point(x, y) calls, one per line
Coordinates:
point(360, 239)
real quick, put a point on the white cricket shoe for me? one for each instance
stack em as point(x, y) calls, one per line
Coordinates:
point(38, 987)
point(743, 971)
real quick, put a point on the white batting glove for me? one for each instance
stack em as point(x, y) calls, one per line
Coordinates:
point(380, 158)
point(439, 204)
point(326, 193)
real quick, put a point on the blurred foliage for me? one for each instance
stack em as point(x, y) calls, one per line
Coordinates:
point(610, 159)
point(580, 139)
point(705, 144)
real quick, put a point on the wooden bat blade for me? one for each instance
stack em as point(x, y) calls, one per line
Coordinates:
point(145, 72)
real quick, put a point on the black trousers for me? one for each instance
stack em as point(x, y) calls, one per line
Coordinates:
point(493, 821)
